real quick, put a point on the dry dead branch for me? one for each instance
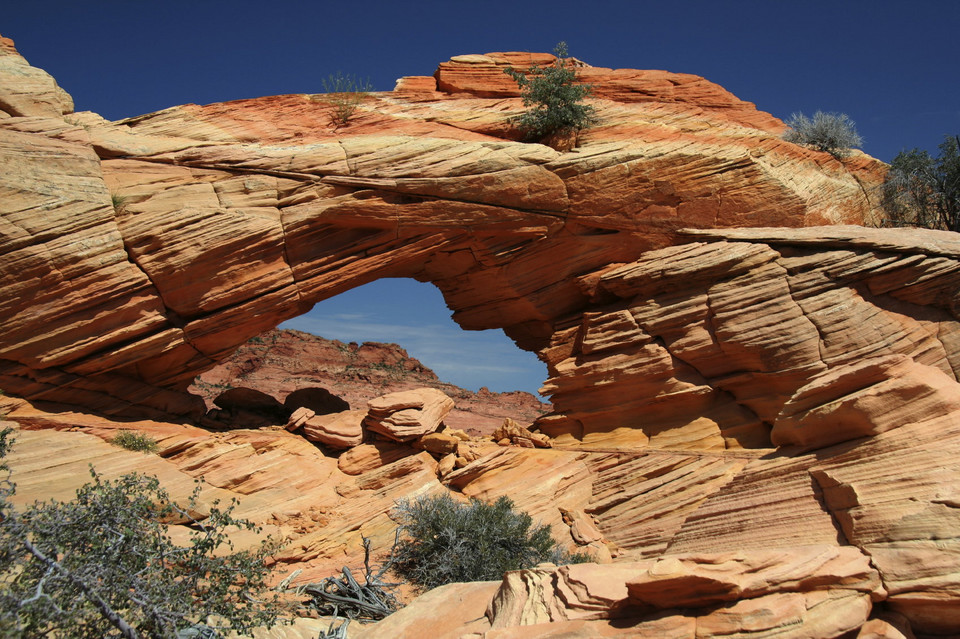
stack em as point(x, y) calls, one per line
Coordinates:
point(343, 596)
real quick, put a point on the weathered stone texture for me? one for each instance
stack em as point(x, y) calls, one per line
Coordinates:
point(752, 394)
point(175, 236)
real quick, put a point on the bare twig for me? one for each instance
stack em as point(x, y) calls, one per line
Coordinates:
point(343, 595)
point(340, 632)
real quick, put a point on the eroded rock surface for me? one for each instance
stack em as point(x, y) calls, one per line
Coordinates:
point(755, 400)
point(758, 339)
point(298, 368)
point(174, 237)
point(806, 591)
point(408, 415)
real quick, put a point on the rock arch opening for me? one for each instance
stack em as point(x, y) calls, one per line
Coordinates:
point(380, 338)
point(414, 315)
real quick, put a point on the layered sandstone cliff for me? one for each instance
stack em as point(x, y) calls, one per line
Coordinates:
point(755, 399)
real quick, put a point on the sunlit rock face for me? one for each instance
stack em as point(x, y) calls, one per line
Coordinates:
point(138, 253)
point(757, 337)
point(755, 400)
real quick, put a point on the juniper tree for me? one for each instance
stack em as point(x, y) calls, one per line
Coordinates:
point(554, 100)
point(444, 541)
point(104, 565)
point(923, 190)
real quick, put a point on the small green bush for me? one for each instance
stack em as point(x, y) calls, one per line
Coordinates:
point(555, 102)
point(133, 440)
point(345, 93)
point(834, 133)
point(444, 541)
point(119, 203)
point(5, 444)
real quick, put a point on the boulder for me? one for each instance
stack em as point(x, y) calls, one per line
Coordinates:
point(513, 433)
point(582, 527)
point(446, 465)
point(336, 430)
point(298, 418)
point(439, 443)
point(407, 415)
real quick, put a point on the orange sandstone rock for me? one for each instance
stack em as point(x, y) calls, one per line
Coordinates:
point(447, 612)
point(337, 430)
point(34, 93)
point(407, 415)
point(228, 219)
point(366, 457)
point(811, 591)
point(516, 434)
point(865, 398)
point(439, 443)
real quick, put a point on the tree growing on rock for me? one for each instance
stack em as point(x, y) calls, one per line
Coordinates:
point(554, 100)
point(104, 565)
point(922, 190)
point(834, 133)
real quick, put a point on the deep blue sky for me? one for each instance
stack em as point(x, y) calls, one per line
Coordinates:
point(891, 66)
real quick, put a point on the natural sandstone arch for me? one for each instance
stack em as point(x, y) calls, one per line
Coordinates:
point(138, 253)
point(839, 345)
point(415, 316)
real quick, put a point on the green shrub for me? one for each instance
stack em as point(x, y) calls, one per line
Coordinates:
point(103, 565)
point(5, 444)
point(921, 190)
point(834, 133)
point(133, 440)
point(119, 203)
point(345, 93)
point(555, 102)
point(445, 541)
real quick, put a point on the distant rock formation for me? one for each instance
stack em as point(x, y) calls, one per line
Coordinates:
point(329, 376)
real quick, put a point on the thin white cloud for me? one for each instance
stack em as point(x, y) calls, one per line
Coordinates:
point(348, 317)
point(470, 359)
point(500, 370)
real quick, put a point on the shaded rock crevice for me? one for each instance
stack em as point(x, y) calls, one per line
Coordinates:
point(842, 540)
